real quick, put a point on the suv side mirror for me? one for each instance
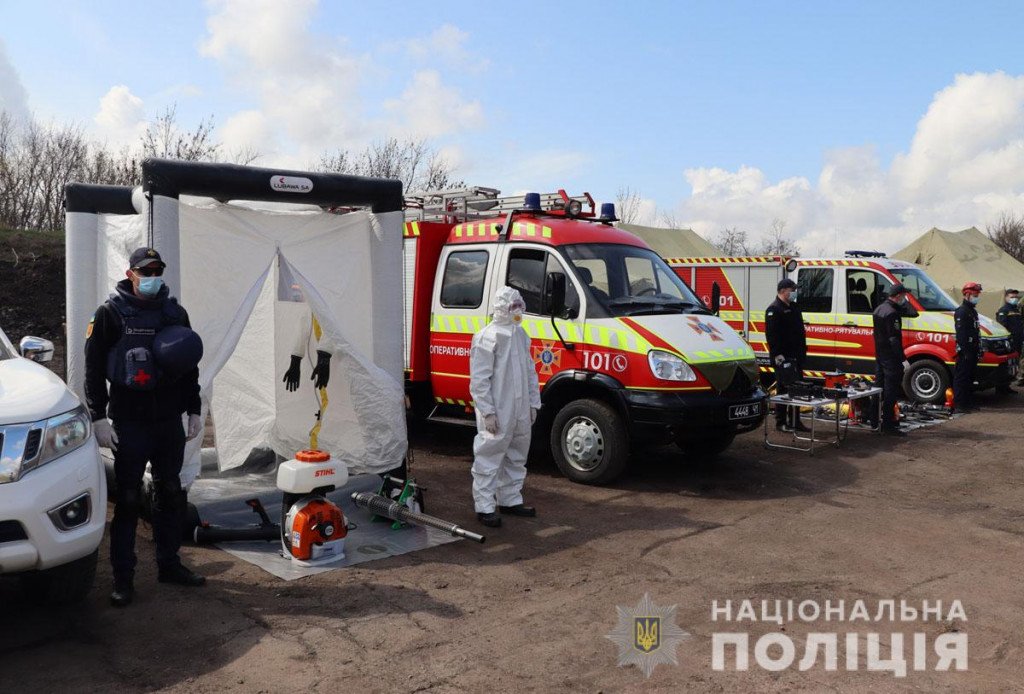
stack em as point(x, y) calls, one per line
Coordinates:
point(716, 298)
point(36, 349)
point(554, 294)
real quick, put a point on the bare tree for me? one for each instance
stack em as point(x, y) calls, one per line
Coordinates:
point(163, 138)
point(1008, 234)
point(627, 205)
point(775, 241)
point(414, 162)
point(732, 242)
point(37, 160)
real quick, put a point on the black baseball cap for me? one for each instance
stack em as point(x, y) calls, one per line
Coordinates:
point(898, 289)
point(143, 257)
point(785, 284)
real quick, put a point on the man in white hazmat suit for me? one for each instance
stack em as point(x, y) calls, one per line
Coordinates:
point(506, 395)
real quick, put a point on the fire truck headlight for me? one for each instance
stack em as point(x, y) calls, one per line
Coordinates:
point(669, 367)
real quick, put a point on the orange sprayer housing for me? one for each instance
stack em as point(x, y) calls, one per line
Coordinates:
point(317, 525)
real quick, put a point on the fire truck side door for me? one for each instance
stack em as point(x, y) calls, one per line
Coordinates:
point(526, 269)
point(459, 310)
point(816, 299)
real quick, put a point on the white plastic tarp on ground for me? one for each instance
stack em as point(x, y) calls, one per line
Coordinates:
point(221, 502)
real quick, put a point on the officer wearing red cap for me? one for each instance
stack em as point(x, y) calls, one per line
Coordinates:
point(891, 360)
point(145, 406)
point(968, 349)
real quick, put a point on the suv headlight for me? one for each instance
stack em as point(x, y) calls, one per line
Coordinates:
point(61, 435)
point(669, 367)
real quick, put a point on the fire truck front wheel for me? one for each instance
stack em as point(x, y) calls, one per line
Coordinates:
point(589, 442)
point(926, 381)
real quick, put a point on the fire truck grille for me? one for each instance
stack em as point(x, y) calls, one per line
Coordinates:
point(740, 385)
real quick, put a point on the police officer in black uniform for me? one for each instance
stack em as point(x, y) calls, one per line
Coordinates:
point(968, 349)
point(787, 344)
point(1010, 317)
point(889, 355)
point(145, 408)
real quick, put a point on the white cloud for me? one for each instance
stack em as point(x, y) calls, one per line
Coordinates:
point(304, 84)
point(447, 43)
point(305, 87)
point(429, 108)
point(13, 97)
point(964, 166)
point(121, 117)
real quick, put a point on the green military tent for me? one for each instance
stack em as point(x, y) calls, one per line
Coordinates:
point(952, 258)
point(673, 243)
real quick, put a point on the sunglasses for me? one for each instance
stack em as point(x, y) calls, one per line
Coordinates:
point(148, 271)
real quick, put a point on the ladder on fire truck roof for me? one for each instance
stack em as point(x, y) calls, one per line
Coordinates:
point(464, 204)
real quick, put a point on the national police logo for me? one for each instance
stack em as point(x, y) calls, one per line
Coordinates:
point(648, 630)
point(647, 635)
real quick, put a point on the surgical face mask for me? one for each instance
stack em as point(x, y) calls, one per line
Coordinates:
point(150, 286)
point(792, 295)
point(1012, 301)
point(973, 299)
point(517, 314)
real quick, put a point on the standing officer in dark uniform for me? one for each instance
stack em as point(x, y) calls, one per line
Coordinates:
point(152, 382)
point(787, 343)
point(1010, 317)
point(891, 360)
point(968, 349)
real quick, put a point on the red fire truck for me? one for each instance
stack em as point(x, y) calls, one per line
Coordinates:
point(837, 297)
point(624, 351)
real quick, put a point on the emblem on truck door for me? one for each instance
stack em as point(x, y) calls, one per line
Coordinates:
point(548, 356)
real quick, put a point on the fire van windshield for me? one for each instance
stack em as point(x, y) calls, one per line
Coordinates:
point(924, 289)
point(630, 281)
point(5, 353)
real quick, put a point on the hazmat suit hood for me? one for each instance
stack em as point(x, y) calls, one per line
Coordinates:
point(508, 306)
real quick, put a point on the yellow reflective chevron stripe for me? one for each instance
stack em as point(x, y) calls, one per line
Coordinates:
point(528, 229)
point(411, 229)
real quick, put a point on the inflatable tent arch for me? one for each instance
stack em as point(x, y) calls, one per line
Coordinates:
point(236, 266)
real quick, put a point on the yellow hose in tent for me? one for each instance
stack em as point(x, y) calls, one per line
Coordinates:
point(314, 433)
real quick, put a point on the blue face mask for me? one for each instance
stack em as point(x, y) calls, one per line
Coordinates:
point(1012, 301)
point(150, 286)
point(973, 299)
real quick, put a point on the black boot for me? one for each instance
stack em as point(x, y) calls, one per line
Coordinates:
point(491, 520)
point(123, 593)
point(519, 510)
point(180, 575)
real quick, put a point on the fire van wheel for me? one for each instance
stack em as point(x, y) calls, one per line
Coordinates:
point(926, 381)
point(62, 585)
point(589, 442)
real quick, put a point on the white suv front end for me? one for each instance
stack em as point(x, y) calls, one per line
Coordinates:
point(53, 496)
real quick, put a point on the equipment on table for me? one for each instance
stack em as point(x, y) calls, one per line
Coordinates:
point(392, 509)
point(313, 528)
point(835, 379)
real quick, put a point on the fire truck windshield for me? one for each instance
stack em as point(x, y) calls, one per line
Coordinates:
point(929, 295)
point(628, 280)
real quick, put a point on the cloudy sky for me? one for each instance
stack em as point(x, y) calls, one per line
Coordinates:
point(856, 123)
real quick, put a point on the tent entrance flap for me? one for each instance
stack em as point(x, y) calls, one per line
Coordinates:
point(252, 281)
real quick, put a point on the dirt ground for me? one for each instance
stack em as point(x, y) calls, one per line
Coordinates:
point(936, 516)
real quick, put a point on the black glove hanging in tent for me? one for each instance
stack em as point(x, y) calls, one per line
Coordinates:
point(322, 372)
point(291, 376)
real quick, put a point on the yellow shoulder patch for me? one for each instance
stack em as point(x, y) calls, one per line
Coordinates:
point(88, 331)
